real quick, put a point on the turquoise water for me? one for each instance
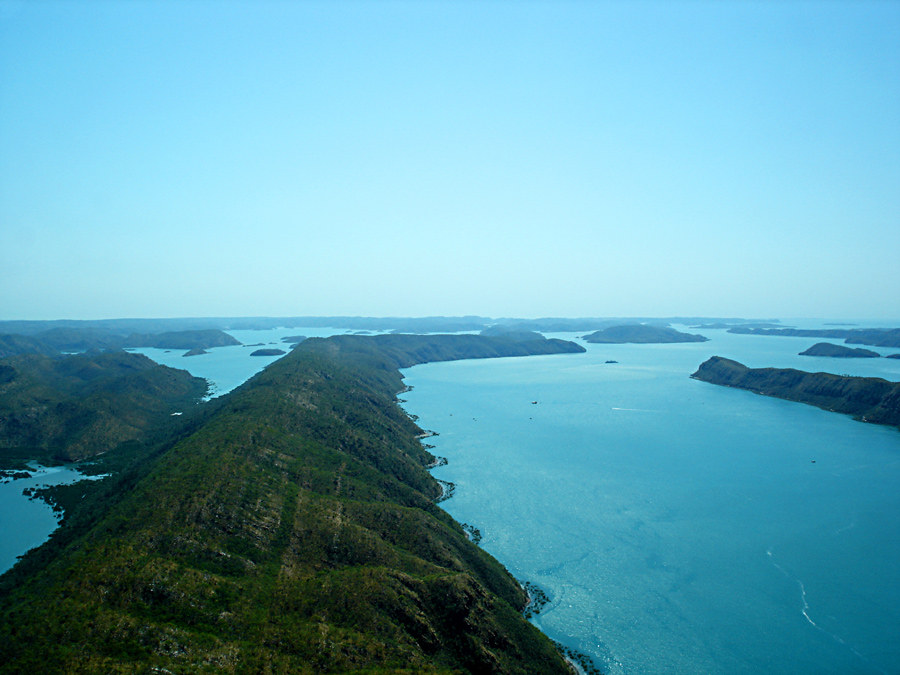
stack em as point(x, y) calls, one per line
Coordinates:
point(26, 523)
point(679, 527)
point(229, 367)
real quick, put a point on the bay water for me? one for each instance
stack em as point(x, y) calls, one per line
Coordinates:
point(679, 526)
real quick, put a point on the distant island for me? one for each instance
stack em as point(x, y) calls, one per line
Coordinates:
point(869, 399)
point(839, 351)
point(641, 334)
point(196, 351)
point(268, 352)
point(874, 337)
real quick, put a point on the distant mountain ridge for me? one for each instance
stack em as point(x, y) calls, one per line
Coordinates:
point(875, 337)
point(431, 324)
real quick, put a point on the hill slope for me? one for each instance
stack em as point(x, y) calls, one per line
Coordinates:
point(295, 531)
point(869, 399)
point(71, 408)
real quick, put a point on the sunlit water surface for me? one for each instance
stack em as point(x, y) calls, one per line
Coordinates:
point(678, 526)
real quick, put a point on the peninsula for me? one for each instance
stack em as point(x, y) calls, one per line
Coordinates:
point(869, 399)
point(288, 526)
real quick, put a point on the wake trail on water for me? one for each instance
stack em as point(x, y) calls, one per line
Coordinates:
point(845, 528)
point(805, 611)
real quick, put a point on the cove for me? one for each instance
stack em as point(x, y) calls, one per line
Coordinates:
point(27, 522)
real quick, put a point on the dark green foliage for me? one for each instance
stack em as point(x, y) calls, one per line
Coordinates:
point(289, 527)
point(473, 532)
point(641, 334)
point(537, 599)
point(583, 660)
point(839, 351)
point(869, 399)
point(71, 408)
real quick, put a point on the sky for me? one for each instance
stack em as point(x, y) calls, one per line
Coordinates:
point(528, 159)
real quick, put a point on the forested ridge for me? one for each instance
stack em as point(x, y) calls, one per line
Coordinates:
point(289, 526)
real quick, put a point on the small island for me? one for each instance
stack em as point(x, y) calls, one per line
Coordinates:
point(840, 351)
point(196, 351)
point(641, 334)
point(268, 352)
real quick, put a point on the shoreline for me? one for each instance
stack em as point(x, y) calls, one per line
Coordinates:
point(535, 597)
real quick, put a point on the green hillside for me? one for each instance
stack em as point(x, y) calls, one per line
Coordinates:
point(294, 530)
point(71, 408)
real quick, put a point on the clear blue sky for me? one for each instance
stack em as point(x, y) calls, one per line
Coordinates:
point(525, 159)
